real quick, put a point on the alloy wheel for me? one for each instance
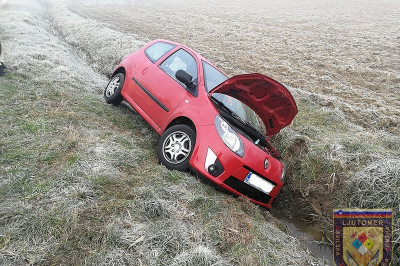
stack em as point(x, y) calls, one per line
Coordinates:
point(176, 147)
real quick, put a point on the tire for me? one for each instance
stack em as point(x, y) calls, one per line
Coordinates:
point(112, 92)
point(176, 146)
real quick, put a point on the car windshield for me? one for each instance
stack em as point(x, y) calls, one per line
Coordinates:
point(212, 78)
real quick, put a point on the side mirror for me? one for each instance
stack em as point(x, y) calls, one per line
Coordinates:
point(185, 78)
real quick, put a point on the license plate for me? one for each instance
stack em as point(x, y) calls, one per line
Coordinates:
point(258, 183)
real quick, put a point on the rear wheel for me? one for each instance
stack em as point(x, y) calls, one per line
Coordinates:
point(175, 147)
point(112, 92)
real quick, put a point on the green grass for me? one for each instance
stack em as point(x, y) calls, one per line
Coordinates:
point(325, 157)
point(29, 187)
point(91, 170)
point(80, 179)
point(54, 145)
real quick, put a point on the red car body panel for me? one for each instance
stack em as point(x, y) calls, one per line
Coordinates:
point(160, 99)
point(234, 165)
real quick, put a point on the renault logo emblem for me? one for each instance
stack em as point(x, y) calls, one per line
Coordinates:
point(266, 164)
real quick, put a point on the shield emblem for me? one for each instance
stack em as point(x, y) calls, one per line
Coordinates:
point(362, 237)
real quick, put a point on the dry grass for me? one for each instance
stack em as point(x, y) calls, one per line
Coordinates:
point(60, 151)
point(80, 181)
point(376, 186)
point(341, 68)
point(315, 46)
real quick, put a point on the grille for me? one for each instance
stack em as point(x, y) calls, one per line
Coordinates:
point(247, 190)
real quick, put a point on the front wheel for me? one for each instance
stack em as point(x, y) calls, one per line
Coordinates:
point(112, 93)
point(175, 147)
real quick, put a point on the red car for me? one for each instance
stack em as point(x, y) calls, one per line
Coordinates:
point(216, 125)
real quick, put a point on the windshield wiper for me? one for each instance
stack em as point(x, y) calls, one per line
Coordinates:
point(221, 104)
point(244, 124)
point(260, 136)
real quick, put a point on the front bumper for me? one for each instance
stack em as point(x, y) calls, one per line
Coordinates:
point(231, 170)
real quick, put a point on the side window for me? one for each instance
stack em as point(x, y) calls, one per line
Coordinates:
point(212, 76)
point(180, 60)
point(157, 50)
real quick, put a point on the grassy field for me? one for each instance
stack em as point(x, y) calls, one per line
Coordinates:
point(80, 183)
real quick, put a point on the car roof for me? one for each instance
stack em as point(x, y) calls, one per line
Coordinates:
point(200, 57)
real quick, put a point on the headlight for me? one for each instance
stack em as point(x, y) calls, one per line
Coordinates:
point(229, 136)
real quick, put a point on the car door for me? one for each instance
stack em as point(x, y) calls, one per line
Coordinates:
point(140, 64)
point(161, 91)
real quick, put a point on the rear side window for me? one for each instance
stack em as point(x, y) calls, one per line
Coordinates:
point(157, 50)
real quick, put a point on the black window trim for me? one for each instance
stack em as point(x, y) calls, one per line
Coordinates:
point(204, 74)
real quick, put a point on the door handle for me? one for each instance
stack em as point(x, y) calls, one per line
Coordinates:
point(145, 70)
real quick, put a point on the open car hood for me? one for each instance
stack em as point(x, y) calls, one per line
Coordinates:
point(269, 99)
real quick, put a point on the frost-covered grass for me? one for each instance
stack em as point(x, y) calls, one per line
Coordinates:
point(340, 60)
point(378, 186)
point(80, 183)
point(101, 46)
point(76, 188)
point(320, 47)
